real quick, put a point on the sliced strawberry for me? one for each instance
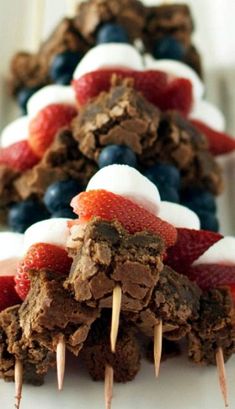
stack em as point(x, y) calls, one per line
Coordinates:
point(212, 275)
point(190, 245)
point(44, 127)
point(110, 206)
point(18, 156)
point(41, 256)
point(154, 85)
point(8, 295)
point(219, 143)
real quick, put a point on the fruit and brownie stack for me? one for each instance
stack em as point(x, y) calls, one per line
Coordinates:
point(114, 167)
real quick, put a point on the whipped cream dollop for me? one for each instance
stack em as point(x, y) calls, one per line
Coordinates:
point(51, 94)
point(178, 215)
point(14, 132)
point(209, 114)
point(222, 252)
point(179, 70)
point(51, 231)
point(128, 182)
point(11, 245)
point(108, 55)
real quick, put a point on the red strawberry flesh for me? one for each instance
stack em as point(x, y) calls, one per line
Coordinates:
point(190, 245)
point(18, 156)
point(212, 275)
point(41, 256)
point(110, 206)
point(219, 143)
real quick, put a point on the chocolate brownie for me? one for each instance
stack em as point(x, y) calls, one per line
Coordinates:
point(172, 20)
point(175, 301)
point(214, 328)
point(97, 353)
point(32, 70)
point(63, 160)
point(128, 13)
point(123, 116)
point(35, 358)
point(105, 255)
point(49, 312)
point(8, 193)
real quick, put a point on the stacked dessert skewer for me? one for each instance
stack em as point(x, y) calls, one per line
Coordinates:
point(141, 257)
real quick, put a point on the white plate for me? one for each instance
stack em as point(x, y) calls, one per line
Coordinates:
point(181, 385)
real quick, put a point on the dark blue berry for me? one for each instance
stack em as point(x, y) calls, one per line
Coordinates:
point(23, 96)
point(164, 174)
point(59, 195)
point(64, 79)
point(168, 48)
point(66, 213)
point(117, 154)
point(111, 33)
point(208, 221)
point(168, 193)
point(63, 65)
point(198, 199)
point(22, 215)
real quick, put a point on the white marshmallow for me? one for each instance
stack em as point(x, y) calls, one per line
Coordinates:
point(209, 114)
point(14, 132)
point(179, 216)
point(128, 182)
point(222, 252)
point(52, 231)
point(109, 55)
point(177, 69)
point(11, 245)
point(51, 94)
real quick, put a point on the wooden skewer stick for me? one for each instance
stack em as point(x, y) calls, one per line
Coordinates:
point(18, 382)
point(222, 375)
point(117, 300)
point(157, 347)
point(60, 362)
point(108, 386)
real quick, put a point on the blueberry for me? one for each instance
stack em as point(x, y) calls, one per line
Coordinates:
point(111, 33)
point(22, 215)
point(168, 193)
point(198, 199)
point(168, 48)
point(208, 221)
point(64, 79)
point(23, 96)
point(66, 212)
point(59, 195)
point(164, 174)
point(117, 154)
point(64, 65)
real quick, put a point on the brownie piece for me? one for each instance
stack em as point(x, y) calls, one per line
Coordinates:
point(93, 13)
point(32, 70)
point(214, 328)
point(172, 20)
point(63, 160)
point(97, 353)
point(50, 312)
point(36, 359)
point(120, 116)
point(105, 255)
point(8, 193)
point(123, 116)
point(176, 301)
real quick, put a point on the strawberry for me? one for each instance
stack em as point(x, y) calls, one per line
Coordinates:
point(190, 245)
point(18, 156)
point(43, 128)
point(219, 142)
point(110, 206)
point(8, 295)
point(154, 85)
point(40, 256)
point(212, 275)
